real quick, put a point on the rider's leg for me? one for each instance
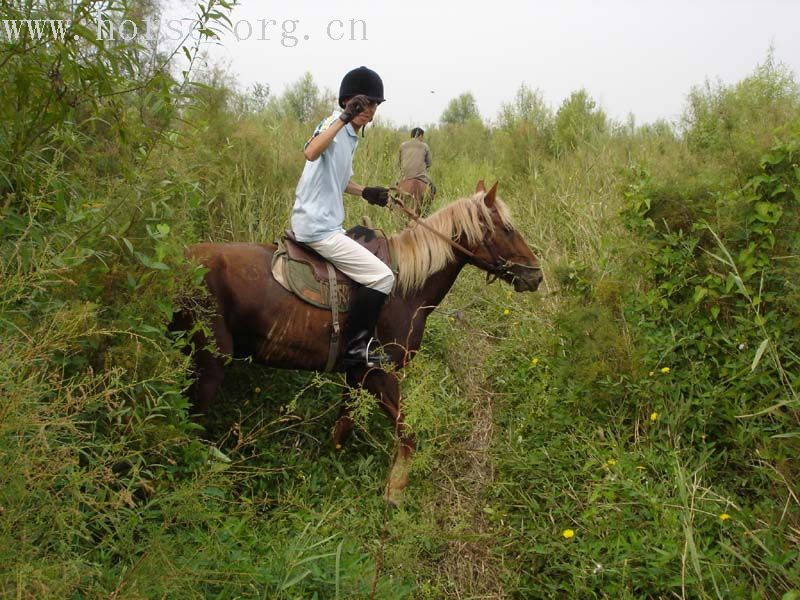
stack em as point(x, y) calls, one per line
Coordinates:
point(376, 281)
point(360, 329)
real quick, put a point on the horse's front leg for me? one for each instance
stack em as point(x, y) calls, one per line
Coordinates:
point(387, 389)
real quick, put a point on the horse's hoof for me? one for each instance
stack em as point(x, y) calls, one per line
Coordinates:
point(392, 498)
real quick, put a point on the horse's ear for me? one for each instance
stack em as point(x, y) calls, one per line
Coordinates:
point(490, 195)
point(481, 187)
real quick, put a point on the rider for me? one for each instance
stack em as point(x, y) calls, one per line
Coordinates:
point(318, 211)
point(415, 158)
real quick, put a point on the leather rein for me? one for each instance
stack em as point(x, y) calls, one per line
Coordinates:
point(494, 270)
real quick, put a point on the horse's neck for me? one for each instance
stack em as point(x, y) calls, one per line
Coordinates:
point(435, 288)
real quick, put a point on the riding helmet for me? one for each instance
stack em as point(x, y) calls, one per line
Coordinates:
point(361, 81)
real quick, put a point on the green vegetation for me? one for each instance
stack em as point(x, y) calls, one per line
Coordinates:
point(461, 109)
point(630, 431)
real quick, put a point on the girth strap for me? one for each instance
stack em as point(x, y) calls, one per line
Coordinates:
point(335, 329)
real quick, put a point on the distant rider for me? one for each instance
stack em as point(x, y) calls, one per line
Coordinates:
point(415, 159)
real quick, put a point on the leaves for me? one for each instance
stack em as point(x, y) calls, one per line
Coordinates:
point(759, 353)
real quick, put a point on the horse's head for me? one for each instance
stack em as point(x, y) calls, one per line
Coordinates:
point(503, 253)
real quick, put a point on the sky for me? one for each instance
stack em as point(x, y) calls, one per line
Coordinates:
point(632, 56)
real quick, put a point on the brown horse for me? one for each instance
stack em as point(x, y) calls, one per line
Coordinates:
point(421, 193)
point(258, 318)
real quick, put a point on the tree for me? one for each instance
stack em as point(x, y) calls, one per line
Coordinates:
point(524, 123)
point(721, 117)
point(577, 120)
point(301, 99)
point(461, 110)
point(528, 106)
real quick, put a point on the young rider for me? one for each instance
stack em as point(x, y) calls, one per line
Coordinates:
point(318, 211)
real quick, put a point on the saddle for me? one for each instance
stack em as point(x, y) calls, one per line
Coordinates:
point(313, 279)
point(302, 271)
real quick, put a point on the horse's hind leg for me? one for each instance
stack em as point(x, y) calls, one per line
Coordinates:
point(210, 373)
point(210, 366)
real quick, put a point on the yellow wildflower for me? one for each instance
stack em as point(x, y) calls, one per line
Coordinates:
point(651, 373)
point(258, 390)
point(506, 312)
point(534, 361)
point(653, 416)
point(568, 533)
point(665, 370)
point(724, 517)
point(611, 462)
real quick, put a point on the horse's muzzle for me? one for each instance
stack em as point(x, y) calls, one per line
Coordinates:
point(526, 279)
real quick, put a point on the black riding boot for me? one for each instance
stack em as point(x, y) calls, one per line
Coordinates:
point(361, 319)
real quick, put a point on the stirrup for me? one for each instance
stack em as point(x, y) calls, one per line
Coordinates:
point(370, 360)
point(378, 359)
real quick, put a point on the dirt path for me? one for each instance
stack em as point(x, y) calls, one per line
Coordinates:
point(469, 566)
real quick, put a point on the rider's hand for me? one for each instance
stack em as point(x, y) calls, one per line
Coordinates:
point(354, 106)
point(376, 195)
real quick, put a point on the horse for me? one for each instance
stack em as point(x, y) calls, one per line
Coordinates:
point(256, 317)
point(420, 191)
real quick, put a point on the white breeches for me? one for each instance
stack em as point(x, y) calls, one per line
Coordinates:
point(355, 261)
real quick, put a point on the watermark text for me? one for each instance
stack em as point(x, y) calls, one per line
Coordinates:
point(288, 32)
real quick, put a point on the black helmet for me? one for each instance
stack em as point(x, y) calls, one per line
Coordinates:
point(361, 81)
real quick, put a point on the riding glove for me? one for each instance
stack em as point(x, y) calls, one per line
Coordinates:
point(356, 105)
point(376, 195)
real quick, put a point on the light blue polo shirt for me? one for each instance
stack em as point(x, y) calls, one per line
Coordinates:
point(318, 206)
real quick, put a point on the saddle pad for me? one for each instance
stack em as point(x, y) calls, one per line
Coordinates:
point(298, 278)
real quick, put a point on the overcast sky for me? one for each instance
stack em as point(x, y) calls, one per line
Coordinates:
point(633, 56)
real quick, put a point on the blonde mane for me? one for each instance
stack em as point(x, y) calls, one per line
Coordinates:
point(420, 253)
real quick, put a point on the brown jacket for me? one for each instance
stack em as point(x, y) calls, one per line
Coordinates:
point(415, 158)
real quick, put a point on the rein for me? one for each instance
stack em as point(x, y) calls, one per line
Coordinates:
point(494, 270)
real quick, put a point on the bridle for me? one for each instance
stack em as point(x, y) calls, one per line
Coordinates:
point(499, 268)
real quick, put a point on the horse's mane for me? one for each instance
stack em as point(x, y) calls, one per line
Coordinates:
point(420, 253)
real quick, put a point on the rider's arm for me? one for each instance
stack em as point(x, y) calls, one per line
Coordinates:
point(427, 156)
point(320, 142)
point(353, 188)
